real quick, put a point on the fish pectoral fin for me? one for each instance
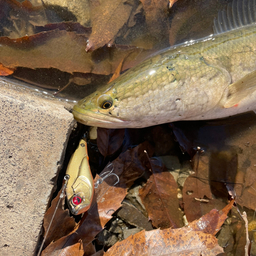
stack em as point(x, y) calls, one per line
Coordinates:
point(240, 90)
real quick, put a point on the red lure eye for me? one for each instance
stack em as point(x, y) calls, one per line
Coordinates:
point(77, 200)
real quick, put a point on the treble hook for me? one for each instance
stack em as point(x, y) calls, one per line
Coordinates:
point(108, 174)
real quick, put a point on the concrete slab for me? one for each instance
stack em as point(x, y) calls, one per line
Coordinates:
point(33, 137)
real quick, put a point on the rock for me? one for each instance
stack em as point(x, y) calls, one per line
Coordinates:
point(129, 232)
point(34, 133)
point(133, 216)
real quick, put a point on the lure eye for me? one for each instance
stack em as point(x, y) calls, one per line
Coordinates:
point(76, 200)
point(105, 101)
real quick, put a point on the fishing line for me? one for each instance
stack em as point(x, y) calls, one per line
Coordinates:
point(62, 194)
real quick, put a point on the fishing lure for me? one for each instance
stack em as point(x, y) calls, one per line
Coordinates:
point(80, 185)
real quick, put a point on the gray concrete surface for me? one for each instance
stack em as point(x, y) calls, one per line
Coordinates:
point(33, 136)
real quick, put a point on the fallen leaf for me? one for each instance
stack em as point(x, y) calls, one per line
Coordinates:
point(193, 19)
point(99, 253)
point(159, 196)
point(89, 250)
point(231, 147)
point(182, 241)
point(117, 71)
point(172, 2)
point(19, 18)
point(57, 229)
point(65, 51)
point(222, 172)
point(109, 140)
point(197, 195)
point(211, 222)
point(156, 13)
point(72, 250)
point(109, 194)
point(107, 18)
point(5, 71)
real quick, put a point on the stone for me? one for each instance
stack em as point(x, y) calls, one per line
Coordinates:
point(133, 216)
point(34, 131)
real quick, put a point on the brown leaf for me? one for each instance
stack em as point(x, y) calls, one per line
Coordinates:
point(172, 2)
point(17, 18)
point(159, 197)
point(57, 229)
point(108, 198)
point(89, 250)
point(197, 195)
point(156, 12)
point(72, 250)
point(107, 18)
point(181, 241)
point(211, 222)
point(193, 19)
point(5, 71)
point(109, 140)
point(117, 71)
point(65, 51)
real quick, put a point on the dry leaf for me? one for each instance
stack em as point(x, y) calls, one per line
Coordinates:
point(107, 18)
point(183, 241)
point(57, 229)
point(159, 197)
point(172, 2)
point(72, 250)
point(5, 71)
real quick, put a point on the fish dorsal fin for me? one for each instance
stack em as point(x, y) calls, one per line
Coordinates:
point(239, 13)
point(240, 90)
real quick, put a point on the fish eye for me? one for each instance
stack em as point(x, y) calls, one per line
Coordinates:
point(106, 104)
point(105, 101)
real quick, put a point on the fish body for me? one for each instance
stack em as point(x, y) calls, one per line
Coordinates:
point(207, 79)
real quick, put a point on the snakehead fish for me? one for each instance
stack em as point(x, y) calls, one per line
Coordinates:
point(211, 78)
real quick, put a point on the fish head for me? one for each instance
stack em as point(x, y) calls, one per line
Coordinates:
point(99, 109)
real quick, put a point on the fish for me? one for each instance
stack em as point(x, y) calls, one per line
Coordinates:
point(80, 184)
point(211, 78)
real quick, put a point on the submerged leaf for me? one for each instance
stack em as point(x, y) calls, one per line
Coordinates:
point(65, 51)
point(197, 194)
point(159, 196)
point(107, 18)
point(156, 12)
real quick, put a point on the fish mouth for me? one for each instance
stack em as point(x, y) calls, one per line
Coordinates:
point(91, 118)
